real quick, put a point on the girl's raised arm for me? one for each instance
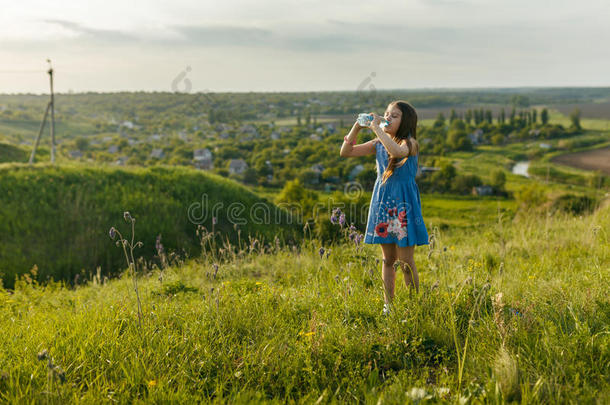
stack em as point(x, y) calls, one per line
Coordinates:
point(350, 150)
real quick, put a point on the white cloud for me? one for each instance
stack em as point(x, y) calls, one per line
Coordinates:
point(308, 45)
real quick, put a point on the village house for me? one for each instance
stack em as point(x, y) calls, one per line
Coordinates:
point(156, 153)
point(76, 154)
point(203, 159)
point(121, 161)
point(426, 170)
point(476, 137)
point(237, 166)
point(482, 190)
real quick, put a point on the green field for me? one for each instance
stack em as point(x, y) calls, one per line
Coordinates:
point(514, 310)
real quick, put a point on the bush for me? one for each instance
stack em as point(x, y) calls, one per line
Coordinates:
point(463, 184)
point(531, 196)
point(574, 204)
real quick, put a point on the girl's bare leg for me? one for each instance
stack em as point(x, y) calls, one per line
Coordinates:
point(406, 257)
point(388, 274)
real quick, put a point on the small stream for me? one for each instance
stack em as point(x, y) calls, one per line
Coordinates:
point(520, 168)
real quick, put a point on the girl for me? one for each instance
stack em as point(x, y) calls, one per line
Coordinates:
point(395, 217)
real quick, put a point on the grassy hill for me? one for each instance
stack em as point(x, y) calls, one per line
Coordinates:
point(515, 310)
point(58, 217)
point(12, 153)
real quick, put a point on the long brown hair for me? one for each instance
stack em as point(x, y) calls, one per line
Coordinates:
point(407, 130)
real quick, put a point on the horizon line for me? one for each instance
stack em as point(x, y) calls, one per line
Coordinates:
point(428, 88)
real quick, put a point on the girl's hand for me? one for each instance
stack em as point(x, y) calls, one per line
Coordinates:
point(358, 126)
point(376, 120)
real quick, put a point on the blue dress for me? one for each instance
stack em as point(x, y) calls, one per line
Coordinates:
point(395, 214)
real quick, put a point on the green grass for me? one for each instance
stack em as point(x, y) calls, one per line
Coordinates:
point(520, 303)
point(556, 117)
point(11, 153)
point(58, 216)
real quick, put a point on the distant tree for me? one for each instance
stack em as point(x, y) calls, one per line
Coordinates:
point(440, 121)
point(497, 139)
point(544, 116)
point(468, 116)
point(299, 199)
point(498, 179)
point(457, 139)
point(534, 115)
point(443, 178)
point(250, 176)
point(575, 118)
point(488, 116)
point(520, 101)
point(453, 116)
point(82, 143)
point(502, 118)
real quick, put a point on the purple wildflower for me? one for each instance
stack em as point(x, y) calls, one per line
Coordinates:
point(214, 221)
point(112, 232)
point(342, 219)
point(127, 216)
point(321, 251)
point(335, 213)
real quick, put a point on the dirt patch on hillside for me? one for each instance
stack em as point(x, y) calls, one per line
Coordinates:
point(597, 159)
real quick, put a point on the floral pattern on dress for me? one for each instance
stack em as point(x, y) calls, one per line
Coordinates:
point(396, 224)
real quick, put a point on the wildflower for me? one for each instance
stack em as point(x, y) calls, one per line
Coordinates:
point(112, 232)
point(152, 383)
point(43, 355)
point(158, 245)
point(358, 239)
point(60, 373)
point(327, 253)
point(127, 216)
point(214, 221)
point(335, 213)
point(321, 251)
point(342, 219)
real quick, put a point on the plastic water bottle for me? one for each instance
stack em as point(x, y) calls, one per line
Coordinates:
point(365, 119)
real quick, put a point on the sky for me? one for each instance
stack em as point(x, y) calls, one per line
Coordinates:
point(309, 45)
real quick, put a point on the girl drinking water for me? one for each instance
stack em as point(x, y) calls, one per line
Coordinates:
point(395, 217)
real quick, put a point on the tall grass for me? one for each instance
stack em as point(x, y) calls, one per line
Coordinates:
point(516, 311)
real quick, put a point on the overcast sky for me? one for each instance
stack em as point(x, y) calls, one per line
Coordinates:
point(280, 45)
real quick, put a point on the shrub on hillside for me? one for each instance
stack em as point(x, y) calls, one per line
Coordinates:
point(574, 204)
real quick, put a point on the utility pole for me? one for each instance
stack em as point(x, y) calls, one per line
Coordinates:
point(50, 106)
